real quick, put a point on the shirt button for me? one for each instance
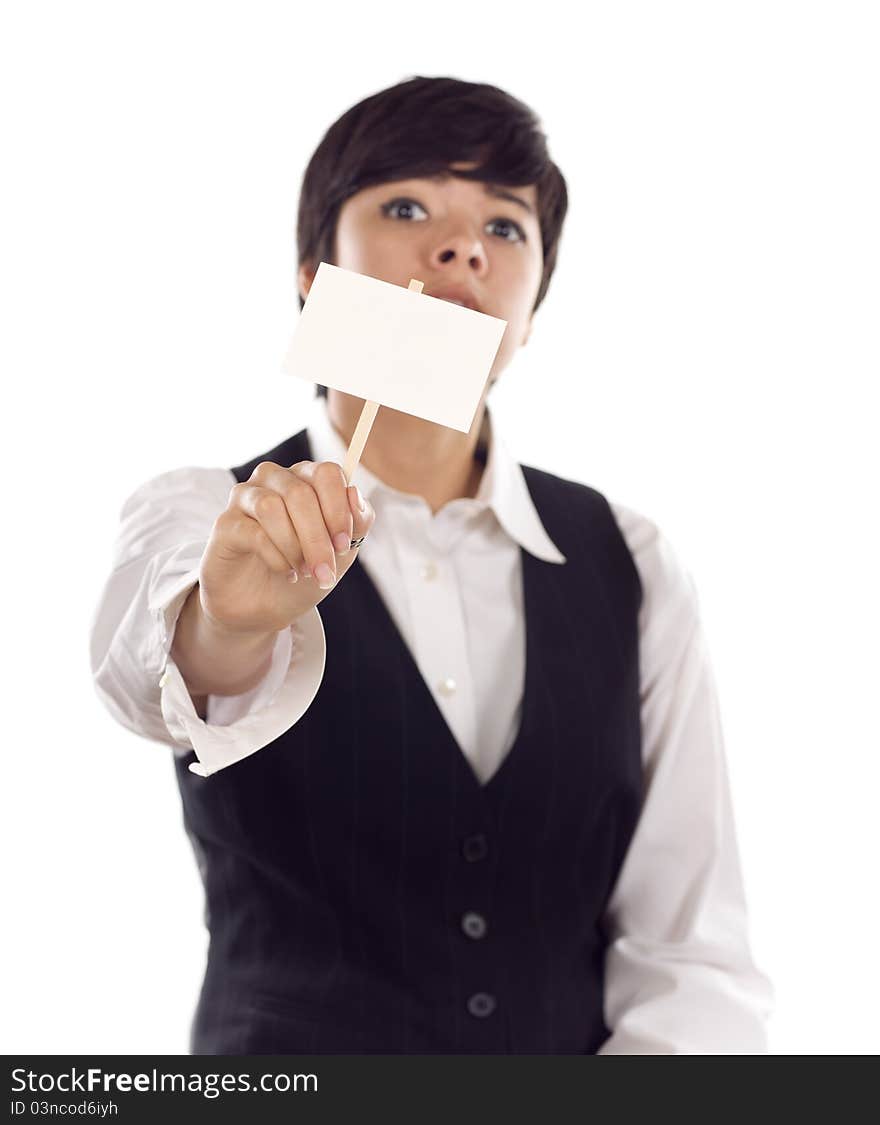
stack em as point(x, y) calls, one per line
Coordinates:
point(474, 925)
point(475, 847)
point(429, 571)
point(447, 686)
point(481, 1004)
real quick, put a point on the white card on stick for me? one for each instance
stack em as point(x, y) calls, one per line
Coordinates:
point(391, 345)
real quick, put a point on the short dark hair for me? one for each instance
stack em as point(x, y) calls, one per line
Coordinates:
point(419, 128)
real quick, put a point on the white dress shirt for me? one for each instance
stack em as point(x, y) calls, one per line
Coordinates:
point(679, 974)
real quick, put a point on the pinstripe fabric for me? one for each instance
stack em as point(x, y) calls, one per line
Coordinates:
point(333, 860)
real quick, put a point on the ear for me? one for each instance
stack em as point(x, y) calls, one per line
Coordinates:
point(305, 277)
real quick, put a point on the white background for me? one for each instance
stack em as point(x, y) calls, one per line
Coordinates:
point(707, 354)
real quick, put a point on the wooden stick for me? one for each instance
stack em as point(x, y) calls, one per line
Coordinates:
point(365, 422)
point(359, 438)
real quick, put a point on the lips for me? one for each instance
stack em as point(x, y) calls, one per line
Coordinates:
point(457, 296)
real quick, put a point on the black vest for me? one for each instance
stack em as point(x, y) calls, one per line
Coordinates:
point(366, 893)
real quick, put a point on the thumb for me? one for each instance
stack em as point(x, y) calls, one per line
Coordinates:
point(362, 512)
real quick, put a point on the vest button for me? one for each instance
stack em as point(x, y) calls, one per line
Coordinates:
point(481, 1004)
point(474, 924)
point(474, 847)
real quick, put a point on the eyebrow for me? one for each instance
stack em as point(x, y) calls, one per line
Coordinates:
point(495, 190)
point(503, 193)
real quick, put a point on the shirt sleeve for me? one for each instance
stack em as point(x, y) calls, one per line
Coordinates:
point(164, 528)
point(680, 978)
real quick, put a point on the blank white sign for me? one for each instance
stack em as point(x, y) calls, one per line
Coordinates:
point(391, 345)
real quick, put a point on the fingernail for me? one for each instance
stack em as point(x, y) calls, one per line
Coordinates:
point(292, 576)
point(341, 542)
point(324, 575)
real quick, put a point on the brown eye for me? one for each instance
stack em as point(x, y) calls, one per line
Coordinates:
point(404, 205)
point(405, 208)
point(511, 225)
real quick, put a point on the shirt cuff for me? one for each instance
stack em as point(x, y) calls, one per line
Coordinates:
point(224, 710)
point(237, 726)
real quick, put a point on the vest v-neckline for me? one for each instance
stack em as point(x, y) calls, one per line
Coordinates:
point(531, 686)
point(530, 683)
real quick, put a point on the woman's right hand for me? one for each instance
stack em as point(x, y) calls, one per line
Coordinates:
point(276, 551)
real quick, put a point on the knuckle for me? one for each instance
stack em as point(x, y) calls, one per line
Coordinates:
point(328, 472)
point(267, 505)
point(262, 471)
point(295, 489)
point(235, 493)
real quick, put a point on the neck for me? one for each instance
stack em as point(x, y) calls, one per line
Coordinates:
point(412, 455)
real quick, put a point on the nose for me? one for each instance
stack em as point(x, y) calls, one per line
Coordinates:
point(460, 246)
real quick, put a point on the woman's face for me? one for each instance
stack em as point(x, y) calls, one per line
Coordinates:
point(448, 232)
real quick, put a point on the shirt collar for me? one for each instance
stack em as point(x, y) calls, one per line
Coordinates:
point(503, 487)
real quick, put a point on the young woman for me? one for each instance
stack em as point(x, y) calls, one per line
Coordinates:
point(477, 801)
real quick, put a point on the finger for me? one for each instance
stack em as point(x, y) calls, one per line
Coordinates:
point(363, 515)
point(328, 481)
point(237, 534)
point(269, 510)
point(307, 518)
